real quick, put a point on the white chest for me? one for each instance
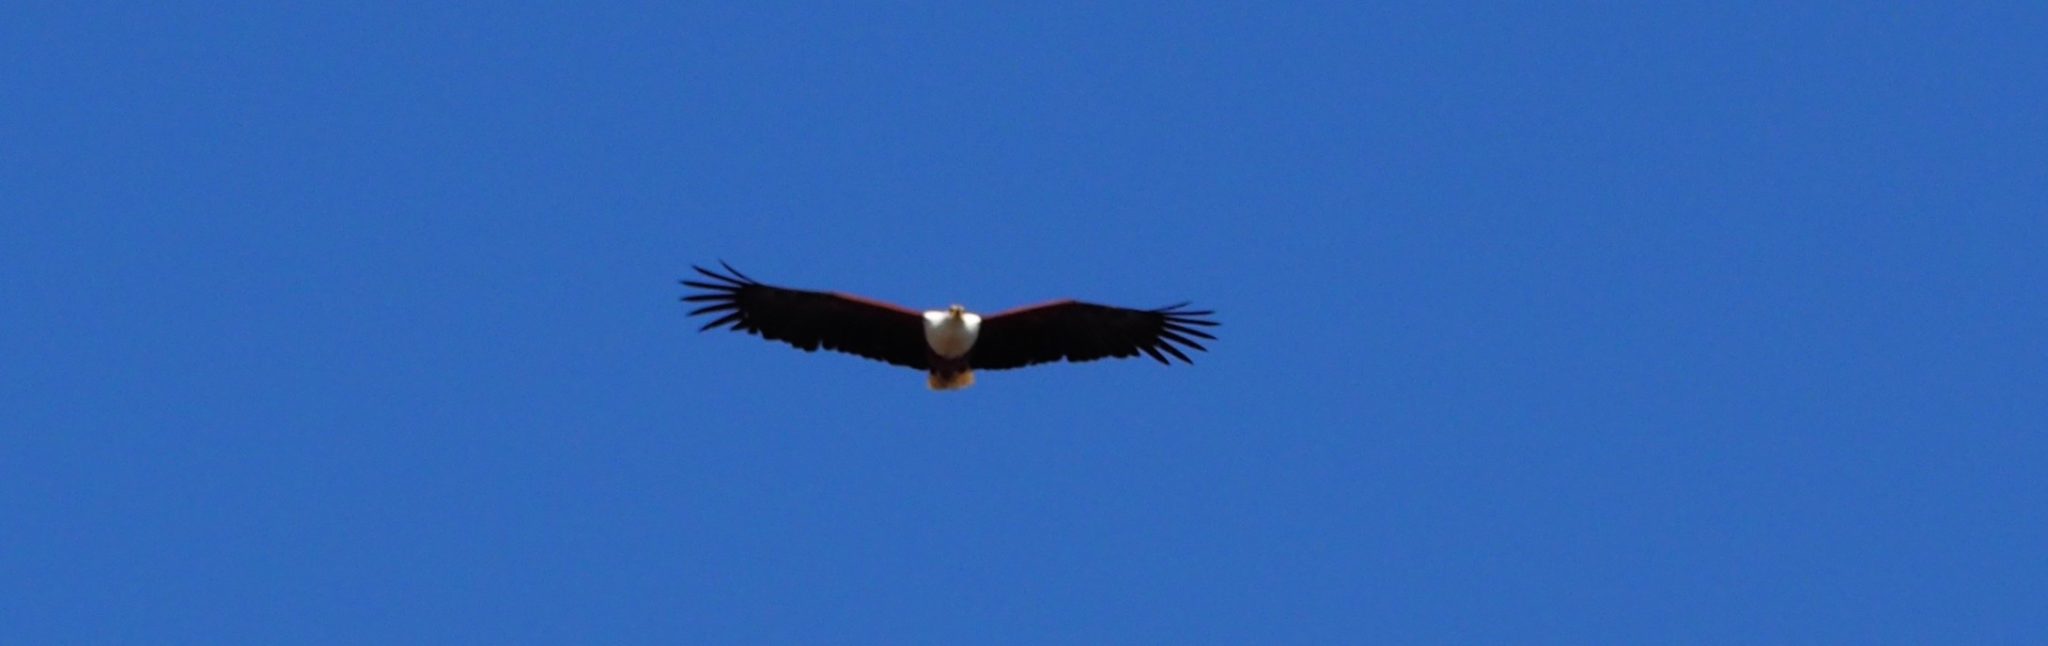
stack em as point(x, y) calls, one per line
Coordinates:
point(950, 336)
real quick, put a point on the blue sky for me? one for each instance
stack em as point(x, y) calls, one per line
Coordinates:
point(1580, 324)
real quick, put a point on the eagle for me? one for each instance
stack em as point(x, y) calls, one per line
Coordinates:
point(950, 344)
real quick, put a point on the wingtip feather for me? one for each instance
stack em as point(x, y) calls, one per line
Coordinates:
point(733, 317)
point(1168, 347)
point(1182, 340)
point(713, 308)
point(733, 282)
point(1155, 355)
point(735, 272)
point(1188, 331)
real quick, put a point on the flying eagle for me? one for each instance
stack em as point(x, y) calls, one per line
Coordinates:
point(948, 344)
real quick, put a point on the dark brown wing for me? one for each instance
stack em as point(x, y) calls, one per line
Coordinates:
point(812, 320)
point(1077, 331)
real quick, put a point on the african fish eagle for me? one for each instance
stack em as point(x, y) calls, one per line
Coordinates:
point(947, 344)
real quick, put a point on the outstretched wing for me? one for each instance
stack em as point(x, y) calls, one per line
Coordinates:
point(1077, 331)
point(812, 320)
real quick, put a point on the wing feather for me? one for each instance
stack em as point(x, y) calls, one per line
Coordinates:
point(1168, 347)
point(1154, 352)
point(1163, 334)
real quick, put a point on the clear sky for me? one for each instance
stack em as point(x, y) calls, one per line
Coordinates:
point(1644, 324)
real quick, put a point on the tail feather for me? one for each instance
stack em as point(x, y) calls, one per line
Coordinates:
point(953, 381)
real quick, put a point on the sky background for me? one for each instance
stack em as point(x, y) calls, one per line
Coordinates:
point(1595, 323)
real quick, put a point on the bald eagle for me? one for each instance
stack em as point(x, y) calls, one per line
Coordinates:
point(950, 344)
